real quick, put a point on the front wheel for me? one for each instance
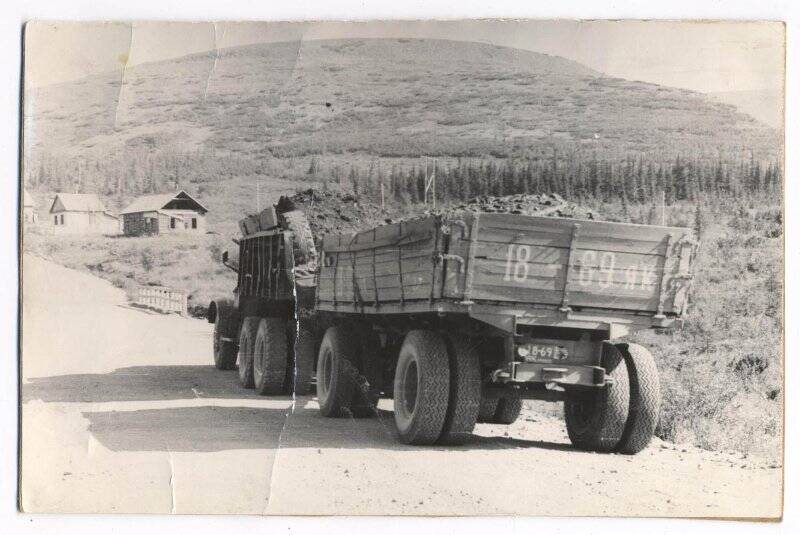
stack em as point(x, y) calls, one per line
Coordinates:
point(336, 372)
point(421, 388)
point(596, 420)
point(224, 350)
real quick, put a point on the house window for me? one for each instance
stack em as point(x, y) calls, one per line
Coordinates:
point(62, 219)
point(194, 222)
point(55, 220)
point(171, 222)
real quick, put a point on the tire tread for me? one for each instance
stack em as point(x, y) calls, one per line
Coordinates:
point(465, 391)
point(645, 398)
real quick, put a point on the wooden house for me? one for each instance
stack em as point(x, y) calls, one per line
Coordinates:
point(81, 213)
point(164, 214)
point(29, 213)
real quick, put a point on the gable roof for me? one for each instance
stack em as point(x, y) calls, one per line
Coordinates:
point(155, 203)
point(78, 202)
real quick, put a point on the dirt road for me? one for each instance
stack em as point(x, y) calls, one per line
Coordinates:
point(123, 412)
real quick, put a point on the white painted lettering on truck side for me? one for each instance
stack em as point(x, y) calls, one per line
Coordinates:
point(518, 265)
point(593, 268)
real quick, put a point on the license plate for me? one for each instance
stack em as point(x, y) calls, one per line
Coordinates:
point(542, 352)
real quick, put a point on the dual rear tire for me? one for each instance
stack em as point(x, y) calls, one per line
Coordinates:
point(271, 357)
point(421, 388)
point(271, 361)
point(437, 389)
point(623, 415)
point(348, 373)
point(436, 386)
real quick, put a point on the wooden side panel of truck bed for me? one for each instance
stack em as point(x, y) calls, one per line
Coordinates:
point(510, 259)
point(574, 263)
point(391, 263)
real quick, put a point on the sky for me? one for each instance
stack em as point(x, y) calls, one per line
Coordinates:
point(702, 56)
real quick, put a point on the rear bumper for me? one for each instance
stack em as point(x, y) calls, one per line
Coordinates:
point(568, 375)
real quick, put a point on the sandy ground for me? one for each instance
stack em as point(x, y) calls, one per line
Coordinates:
point(122, 412)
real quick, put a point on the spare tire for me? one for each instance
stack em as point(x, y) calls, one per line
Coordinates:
point(303, 248)
point(596, 420)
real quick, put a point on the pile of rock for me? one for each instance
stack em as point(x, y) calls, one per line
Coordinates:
point(331, 212)
point(544, 204)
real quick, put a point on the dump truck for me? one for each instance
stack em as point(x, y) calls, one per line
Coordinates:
point(275, 278)
point(459, 317)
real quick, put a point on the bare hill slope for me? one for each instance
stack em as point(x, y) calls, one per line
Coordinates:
point(392, 97)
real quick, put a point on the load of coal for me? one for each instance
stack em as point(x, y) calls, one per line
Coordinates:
point(335, 212)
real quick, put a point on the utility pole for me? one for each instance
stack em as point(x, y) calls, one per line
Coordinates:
point(430, 183)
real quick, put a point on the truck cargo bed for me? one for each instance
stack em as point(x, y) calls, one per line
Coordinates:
point(508, 260)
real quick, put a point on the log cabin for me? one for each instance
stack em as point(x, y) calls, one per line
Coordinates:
point(167, 213)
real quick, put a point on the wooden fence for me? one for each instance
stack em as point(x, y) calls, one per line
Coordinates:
point(163, 299)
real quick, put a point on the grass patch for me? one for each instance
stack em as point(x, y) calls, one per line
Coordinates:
point(722, 374)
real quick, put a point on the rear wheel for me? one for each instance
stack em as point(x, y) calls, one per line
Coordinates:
point(465, 391)
point(366, 391)
point(487, 409)
point(421, 388)
point(224, 350)
point(596, 421)
point(304, 354)
point(508, 410)
point(270, 357)
point(247, 339)
point(645, 404)
point(336, 372)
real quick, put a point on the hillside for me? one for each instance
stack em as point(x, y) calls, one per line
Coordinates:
point(764, 105)
point(380, 98)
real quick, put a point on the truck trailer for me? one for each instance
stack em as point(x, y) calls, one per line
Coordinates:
point(458, 318)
